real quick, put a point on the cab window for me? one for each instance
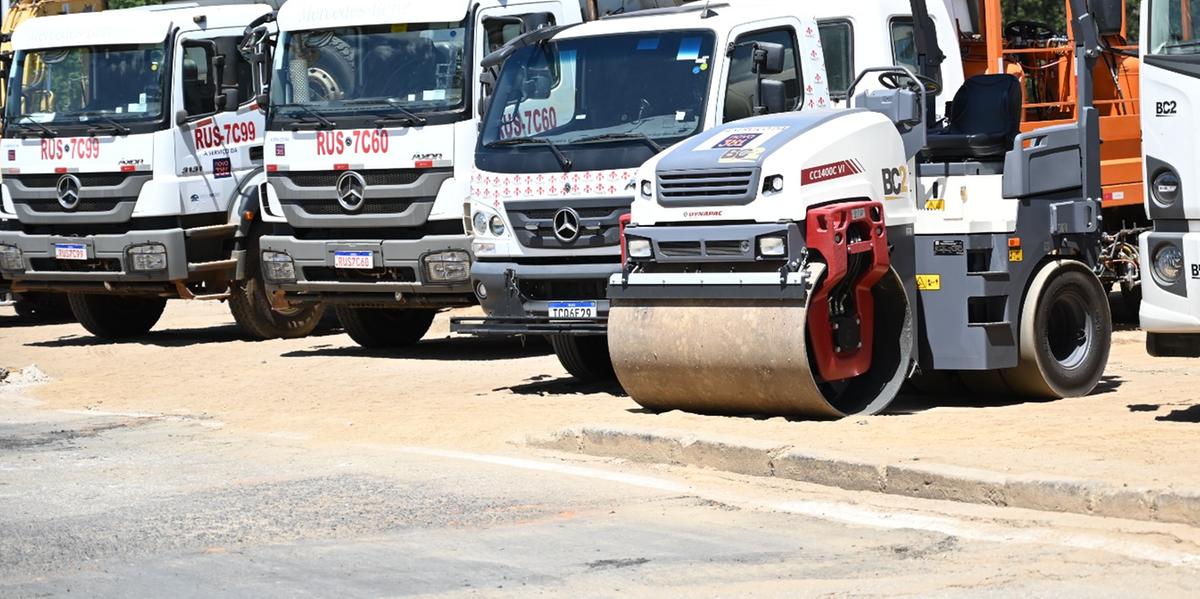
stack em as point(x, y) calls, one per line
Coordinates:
point(837, 38)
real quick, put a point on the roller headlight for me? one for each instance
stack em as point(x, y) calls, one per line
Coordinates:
point(772, 247)
point(481, 223)
point(1165, 188)
point(497, 226)
point(773, 184)
point(639, 248)
point(1168, 264)
point(647, 189)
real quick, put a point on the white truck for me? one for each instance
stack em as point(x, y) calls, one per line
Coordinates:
point(373, 118)
point(131, 144)
point(577, 112)
point(1170, 253)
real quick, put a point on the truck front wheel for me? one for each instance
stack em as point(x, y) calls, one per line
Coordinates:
point(585, 357)
point(377, 328)
point(251, 308)
point(115, 316)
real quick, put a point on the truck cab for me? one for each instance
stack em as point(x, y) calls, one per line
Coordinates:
point(129, 138)
point(575, 114)
point(373, 117)
point(1170, 252)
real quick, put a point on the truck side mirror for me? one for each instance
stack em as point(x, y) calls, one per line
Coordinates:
point(181, 117)
point(768, 58)
point(220, 97)
point(772, 97)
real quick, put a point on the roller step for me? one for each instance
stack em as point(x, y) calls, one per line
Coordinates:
point(990, 273)
point(1004, 324)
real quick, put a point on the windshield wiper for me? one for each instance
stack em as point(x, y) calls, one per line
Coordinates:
point(324, 122)
point(608, 137)
point(32, 124)
point(106, 123)
point(526, 141)
point(406, 114)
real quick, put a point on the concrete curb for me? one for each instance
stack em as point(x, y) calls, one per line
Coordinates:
point(918, 479)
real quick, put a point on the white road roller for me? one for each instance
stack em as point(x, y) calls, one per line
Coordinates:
point(809, 264)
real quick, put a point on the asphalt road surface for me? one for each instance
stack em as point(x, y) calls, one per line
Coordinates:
point(108, 504)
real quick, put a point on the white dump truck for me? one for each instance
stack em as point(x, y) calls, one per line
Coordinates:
point(577, 111)
point(373, 117)
point(809, 264)
point(131, 145)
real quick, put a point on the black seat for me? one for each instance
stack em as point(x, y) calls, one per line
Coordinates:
point(985, 118)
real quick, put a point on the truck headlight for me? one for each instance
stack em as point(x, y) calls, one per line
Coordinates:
point(772, 246)
point(1165, 188)
point(483, 248)
point(497, 226)
point(11, 258)
point(481, 223)
point(1168, 263)
point(151, 257)
point(448, 267)
point(639, 248)
point(647, 189)
point(278, 267)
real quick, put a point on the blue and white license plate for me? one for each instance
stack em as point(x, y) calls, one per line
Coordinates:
point(354, 260)
point(70, 251)
point(572, 310)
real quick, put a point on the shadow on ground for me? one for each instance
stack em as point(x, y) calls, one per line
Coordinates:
point(1183, 413)
point(164, 338)
point(912, 402)
point(446, 349)
point(545, 384)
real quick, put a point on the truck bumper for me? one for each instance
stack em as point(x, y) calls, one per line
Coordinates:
point(108, 261)
point(1170, 314)
point(399, 277)
point(519, 296)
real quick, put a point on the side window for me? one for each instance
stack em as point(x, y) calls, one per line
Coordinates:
point(742, 87)
point(904, 42)
point(837, 38)
point(500, 31)
point(199, 88)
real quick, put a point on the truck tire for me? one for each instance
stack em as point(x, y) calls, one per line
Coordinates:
point(251, 308)
point(115, 316)
point(1065, 334)
point(585, 357)
point(43, 307)
point(380, 328)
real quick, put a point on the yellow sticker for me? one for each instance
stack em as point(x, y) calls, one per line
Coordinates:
point(935, 204)
point(1016, 256)
point(929, 282)
point(400, 28)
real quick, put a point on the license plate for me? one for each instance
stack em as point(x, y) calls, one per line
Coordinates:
point(70, 251)
point(355, 260)
point(572, 310)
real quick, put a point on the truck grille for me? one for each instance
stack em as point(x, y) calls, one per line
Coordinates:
point(50, 181)
point(533, 222)
point(44, 205)
point(392, 177)
point(55, 265)
point(371, 206)
point(707, 187)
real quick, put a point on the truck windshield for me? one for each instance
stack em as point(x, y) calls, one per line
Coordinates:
point(1175, 27)
point(88, 85)
point(376, 71)
point(606, 89)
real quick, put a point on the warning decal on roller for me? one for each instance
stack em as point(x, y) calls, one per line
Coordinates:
point(929, 282)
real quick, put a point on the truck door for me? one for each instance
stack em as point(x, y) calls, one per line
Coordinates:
point(219, 127)
point(803, 76)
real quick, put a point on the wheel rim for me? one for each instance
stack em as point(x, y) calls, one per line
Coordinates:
point(1069, 329)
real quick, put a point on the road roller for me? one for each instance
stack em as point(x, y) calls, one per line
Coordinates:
point(813, 265)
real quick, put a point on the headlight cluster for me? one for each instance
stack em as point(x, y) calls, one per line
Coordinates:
point(1168, 263)
point(151, 257)
point(451, 266)
point(278, 267)
point(485, 223)
point(11, 258)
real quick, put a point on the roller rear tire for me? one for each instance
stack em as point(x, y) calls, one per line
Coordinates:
point(1065, 334)
point(585, 357)
point(380, 328)
point(115, 316)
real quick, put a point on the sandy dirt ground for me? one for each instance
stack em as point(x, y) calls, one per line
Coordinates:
point(1141, 428)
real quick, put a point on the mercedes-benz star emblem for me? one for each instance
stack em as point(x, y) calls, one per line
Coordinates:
point(566, 225)
point(351, 191)
point(68, 191)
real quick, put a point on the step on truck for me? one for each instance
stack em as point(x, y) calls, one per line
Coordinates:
point(373, 118)
point(129, 160)
point(809, 264)
point(1170, 253)
point(576, 111)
